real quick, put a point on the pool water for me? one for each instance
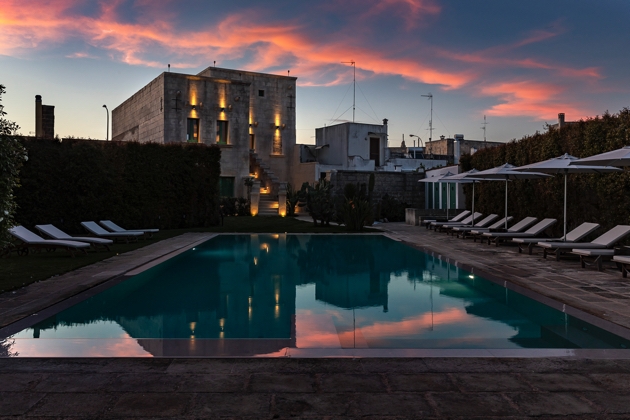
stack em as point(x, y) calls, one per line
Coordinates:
point(260, 294)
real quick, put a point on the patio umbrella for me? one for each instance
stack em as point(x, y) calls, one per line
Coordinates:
point(506, 172)
point(564, 165)
point(619, 157)
point(437, 178)
point(465, 178)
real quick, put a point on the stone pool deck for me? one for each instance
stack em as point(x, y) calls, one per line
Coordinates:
point(452, 387)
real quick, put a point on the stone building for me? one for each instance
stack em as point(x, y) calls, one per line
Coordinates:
point(453, 149)
point(250, 116)
point(44, 119)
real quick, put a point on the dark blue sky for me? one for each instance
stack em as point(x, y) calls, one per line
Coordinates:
point(518, 63)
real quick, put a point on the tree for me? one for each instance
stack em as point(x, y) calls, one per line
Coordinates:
point(12, 156)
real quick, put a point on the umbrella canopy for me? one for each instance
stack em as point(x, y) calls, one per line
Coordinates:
point(563, 165)
point(506, 172)
point(619, 157)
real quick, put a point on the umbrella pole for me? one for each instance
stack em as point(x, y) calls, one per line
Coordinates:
point(506, 183)
point(473, 204)
point(448, 199)
point(564, 238)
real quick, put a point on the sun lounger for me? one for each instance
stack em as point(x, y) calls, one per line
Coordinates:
point(573, 236)
point(31, 240)
point(441, 226)
point(113, 227)
point(480, 224)
point(593, 256)
point(53, 232)
point(96, 230)
point(607, 240)
point(465, 230)
point(532, 232)
point(457, 218)
point(519, 227)
point(624, 262)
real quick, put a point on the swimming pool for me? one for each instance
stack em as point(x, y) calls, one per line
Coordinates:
point(247, 295)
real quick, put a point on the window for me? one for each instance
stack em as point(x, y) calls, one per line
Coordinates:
point(222, 132)
point(226, 186)
point(261, 93)
point(192, 132)
point(252, 141)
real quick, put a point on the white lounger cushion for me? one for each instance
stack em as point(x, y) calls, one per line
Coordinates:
point(466, 221)
point(95, 229)
point(523, 224)
point(607, 240)
point(108, 224)
point(573, 236)
point(31, 238)
point(56, 233)
point(593, 252)
point(496, 225)
point(537, 229)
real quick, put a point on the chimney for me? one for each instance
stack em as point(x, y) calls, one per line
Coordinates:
point(385, 121)
point(561, 120)
point(39, 127)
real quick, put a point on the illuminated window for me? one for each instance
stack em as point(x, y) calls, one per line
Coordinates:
point(222, 132)
point(261, 92)
point(252, 141)
point(192, 133)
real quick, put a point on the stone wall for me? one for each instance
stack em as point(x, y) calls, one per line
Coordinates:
point(141, 117)
point(403, 186)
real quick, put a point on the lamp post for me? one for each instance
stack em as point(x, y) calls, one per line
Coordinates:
point(107, 135)
point(419, 139)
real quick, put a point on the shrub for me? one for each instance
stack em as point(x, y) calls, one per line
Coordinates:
point(12, 156)
point(318, 201)
point(235, 206)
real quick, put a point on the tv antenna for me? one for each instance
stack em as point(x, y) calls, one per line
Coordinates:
point(484, 128)
point(354, 84)
point(430, 96)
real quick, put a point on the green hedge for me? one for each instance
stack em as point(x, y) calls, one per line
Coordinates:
point(135, 185)
point(603, 199)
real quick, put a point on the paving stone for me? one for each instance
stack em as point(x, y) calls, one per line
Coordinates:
point(124, 365)
point(72, 404)
point(466, 365)
point(556, 403)
point(299, 405)
point(613, 381)
point(19, 381)
point(561, 382)
point(18, 403)
point(73, 382)
point(489, 382)
point(420, 382)
point(151, 404)
point(147, 382)
point(391, 366)
point(213, 383)
point(403, 405)
point(452, 404)
point(282, 382)
point(343, 382)
point(216, 405)
point(611, 402)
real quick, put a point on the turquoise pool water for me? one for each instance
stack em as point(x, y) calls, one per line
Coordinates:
point(260, 294)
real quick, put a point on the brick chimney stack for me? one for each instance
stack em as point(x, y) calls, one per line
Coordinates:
point(561, 120)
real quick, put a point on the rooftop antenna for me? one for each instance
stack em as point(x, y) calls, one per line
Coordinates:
point(430, 96)
point(354, 84)
point(169, 68)
point(288, 72)
point(215, 63)
point(484, 128)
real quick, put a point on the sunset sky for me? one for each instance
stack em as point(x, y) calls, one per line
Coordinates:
point(518, 63)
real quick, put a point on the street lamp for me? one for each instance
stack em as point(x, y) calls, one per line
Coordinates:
point(107, 110)
point(419, 139)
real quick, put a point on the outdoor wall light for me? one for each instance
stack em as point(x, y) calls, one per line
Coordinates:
point(222, 109)
point(194, 106)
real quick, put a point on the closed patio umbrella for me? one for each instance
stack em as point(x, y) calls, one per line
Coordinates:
point(506, 172)
point(619, 157)
point(564, 165)
point(437, 178)
point(465, 178)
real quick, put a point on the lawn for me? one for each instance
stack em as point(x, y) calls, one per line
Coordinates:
point(18, 271)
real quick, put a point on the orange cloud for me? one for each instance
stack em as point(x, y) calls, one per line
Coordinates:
point(529, 99)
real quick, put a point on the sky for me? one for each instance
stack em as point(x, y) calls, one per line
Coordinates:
point(518, 63)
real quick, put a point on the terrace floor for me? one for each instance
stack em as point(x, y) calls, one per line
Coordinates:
point(439, 387)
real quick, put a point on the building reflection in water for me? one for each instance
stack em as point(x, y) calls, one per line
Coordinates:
point(236, 295)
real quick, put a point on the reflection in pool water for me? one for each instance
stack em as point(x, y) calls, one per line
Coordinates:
point(259, 294)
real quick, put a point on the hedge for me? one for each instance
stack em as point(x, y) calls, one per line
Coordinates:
point(599, 198)
point(135, 185)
